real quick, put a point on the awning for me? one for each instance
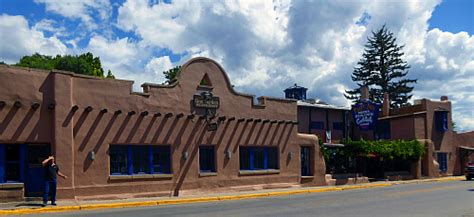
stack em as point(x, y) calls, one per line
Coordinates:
point(331, 145)
point(467, 148)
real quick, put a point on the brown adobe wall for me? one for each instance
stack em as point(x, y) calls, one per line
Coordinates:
point(74, 133)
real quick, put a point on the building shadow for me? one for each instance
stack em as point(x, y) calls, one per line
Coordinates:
point(23, 124)
point(80, 122)
point(148, 129)
point(121, 129)
point(106, 131)
point(91, 131)
point(134, 129)
point(159, 130)
point(8, 118)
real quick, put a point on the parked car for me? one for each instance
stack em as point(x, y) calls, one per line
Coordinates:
point(469, 170)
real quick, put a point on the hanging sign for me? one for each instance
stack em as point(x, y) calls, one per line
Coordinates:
point(365, 114)
point(203, 101)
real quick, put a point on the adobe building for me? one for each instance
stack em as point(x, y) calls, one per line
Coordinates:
point(428, 121)
point(197, 134)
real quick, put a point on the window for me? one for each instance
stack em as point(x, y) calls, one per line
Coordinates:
point(382, 130)
point(139, 159)
point(337, 126)
point(443, 161)
point(318, 125)
point(258, 158)
point(207, 159)
point(118, 159)
point(12, 165)
point(441, 118)
point(161, 159)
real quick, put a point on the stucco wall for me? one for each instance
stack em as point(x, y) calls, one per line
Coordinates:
point(74, 132)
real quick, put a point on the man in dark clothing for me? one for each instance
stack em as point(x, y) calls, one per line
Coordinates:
point(51, 180)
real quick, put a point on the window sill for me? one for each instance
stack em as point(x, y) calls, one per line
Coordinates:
point(307, 177)
point(258, 172)
point(13, 185)
point(205, 174)
point(140, 176)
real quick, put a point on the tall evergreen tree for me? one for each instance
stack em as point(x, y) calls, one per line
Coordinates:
point(383, 70)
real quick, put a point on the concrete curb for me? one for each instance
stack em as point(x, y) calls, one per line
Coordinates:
point(216, 198)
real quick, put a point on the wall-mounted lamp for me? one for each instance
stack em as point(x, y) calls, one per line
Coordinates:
point(91, 155)
point(185, 155)
point(228, 154)
point(35, 105)
point(17, 104)
point(290, 155)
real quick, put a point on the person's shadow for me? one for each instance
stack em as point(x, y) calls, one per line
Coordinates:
point(29, 204)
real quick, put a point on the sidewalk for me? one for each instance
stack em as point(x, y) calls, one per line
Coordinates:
point(17, 208)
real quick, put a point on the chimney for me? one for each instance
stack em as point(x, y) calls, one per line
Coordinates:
point(386, 105)
point(444, 98)
point(364, 93)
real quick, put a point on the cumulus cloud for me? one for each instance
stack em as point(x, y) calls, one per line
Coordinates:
point(268, 46)
point(157, 66)
point(85, 10)
point(18, 40)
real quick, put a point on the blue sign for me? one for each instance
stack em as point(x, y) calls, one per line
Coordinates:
point(365, 114)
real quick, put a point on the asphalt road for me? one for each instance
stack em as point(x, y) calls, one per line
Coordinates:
point(444, 199)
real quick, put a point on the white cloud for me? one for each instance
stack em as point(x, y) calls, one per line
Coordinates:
point(18, 40)
point(157, 66)
point(84, 10)
point(267, 46)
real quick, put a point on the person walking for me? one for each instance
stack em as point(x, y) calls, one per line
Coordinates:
point(51, 180)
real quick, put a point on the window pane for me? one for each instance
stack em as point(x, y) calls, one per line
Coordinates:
point(272, 158)
point(161, 159)
point(140, 157)
point(118, 159)
point(206, 159)
point(258, 158)
point(12, 172)
point(12, 153)
point(244, 158)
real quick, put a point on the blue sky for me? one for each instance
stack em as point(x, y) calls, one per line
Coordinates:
point(265, 46)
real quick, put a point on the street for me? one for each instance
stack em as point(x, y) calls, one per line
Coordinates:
point(444, 199)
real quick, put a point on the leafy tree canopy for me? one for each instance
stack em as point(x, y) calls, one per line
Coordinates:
point(85, 64)
point(383, 70)
point(171, 74)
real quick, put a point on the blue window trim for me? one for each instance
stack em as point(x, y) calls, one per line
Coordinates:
point(208, 148)
point(21, 163)
point(252, 150)
point(164, 169)
point(441, 118)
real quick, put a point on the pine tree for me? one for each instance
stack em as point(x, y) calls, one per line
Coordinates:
point(383, 70)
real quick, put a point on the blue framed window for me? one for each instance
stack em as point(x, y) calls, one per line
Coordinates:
point(118, 159)
point(337, 126)
point(12, 163)
point(317, 125)
point(441, 118)
point(207, 160)
point(139, 159)
point(258, 158)
point(161, 159)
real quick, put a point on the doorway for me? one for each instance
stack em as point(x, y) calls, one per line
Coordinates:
point(36, 153)
point(306, 161)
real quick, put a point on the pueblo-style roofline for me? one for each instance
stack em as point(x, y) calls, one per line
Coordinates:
point(260, 100)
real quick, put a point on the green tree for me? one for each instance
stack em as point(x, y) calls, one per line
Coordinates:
point(85, 64)
point(110, 75)
point(383, 70)
point(170, 75)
